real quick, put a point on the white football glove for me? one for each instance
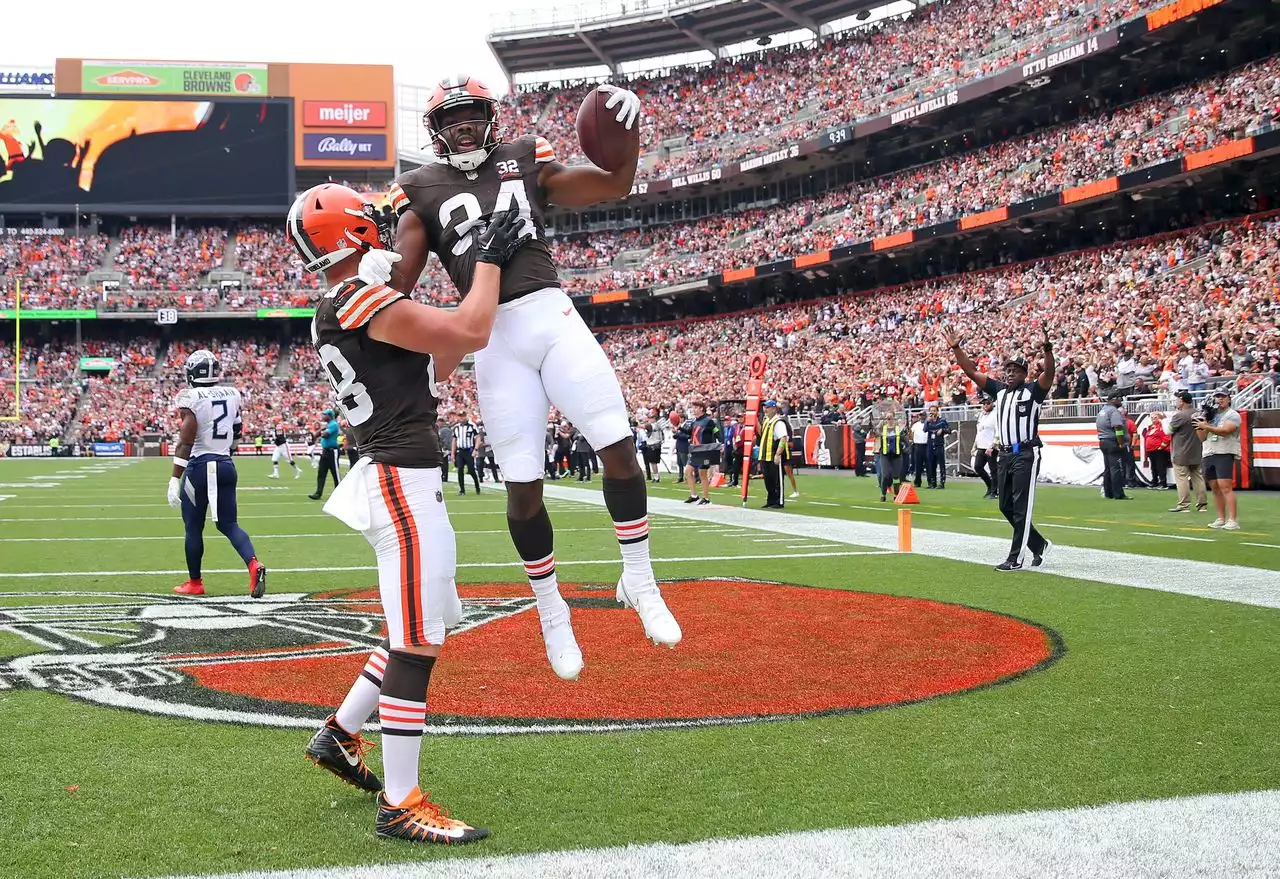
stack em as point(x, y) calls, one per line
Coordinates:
point(629, 101)
point(175, 490)
point(375, 266)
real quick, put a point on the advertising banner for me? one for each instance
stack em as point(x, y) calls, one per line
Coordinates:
point(49, 313)
point(29, 451)
point(172, 78)
point(345, 147)
point(107, 450)
point(286, 312)
point(97, 362)
point(103, 151)
point(26, 79)
point(344, 114)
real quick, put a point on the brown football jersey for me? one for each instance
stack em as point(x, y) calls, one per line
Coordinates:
point(388, 394)
point(452, 203)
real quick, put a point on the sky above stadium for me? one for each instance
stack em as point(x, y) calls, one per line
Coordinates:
point(424, 40)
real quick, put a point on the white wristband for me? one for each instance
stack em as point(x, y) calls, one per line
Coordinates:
point(180, 462)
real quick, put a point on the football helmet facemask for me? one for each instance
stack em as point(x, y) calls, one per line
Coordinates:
point(482, 128)
point(203, 369)
point(330, 222)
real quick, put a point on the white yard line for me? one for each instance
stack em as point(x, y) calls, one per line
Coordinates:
point(1218, 581)
point(1171, 536)
point(1232, 836)
point(560, 563)
point(1263, 545)
point(346, 533)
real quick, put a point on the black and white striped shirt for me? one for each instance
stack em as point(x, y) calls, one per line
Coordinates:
point(464, 435)
point(1017, 413)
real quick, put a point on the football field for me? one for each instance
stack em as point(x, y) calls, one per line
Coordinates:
point(830, 693)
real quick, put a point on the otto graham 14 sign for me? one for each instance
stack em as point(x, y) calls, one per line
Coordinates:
point(172, 78)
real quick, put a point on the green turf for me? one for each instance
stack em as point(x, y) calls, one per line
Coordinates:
point(1157, 694)
point(846, 497)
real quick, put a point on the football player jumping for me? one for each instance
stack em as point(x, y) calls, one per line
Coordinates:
point(541, 352)
point(383, 353)
point(204, 476)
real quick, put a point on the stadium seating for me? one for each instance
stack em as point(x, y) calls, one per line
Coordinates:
point(1214, 286)
point(732, 108)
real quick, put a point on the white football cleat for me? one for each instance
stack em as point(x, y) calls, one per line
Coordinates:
point(562, 650)
point(660, 626)
point(273, 475)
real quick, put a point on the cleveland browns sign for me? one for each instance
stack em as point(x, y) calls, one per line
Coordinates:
point(751, 651)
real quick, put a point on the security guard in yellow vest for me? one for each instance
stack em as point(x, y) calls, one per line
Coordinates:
point(774, 450)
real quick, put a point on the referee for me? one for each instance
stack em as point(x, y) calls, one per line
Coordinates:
point(464, 456)
point(328, 453)
point(1018, 443)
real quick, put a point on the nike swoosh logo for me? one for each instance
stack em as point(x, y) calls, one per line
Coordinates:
point(567, 310)
point(354, 761)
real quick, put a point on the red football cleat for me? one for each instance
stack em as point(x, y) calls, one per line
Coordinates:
point(191, 587)
point(257, 578)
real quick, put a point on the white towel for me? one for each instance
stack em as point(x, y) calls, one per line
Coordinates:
point(349, 502)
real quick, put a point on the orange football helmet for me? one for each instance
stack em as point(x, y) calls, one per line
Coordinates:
point(457, 91)
point(330, 222)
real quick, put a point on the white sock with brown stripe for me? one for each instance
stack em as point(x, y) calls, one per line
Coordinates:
point(552, 607)
point(363, 696)
point(402, 710)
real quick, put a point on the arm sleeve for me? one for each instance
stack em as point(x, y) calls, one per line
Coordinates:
point(994, 386)
point(399, 201)
point(543, 153)
point(356, 303)
point(1038, 392)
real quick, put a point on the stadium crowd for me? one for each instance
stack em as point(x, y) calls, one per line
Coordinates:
point(1155, 129)
point(50, 268)
point(1132, 317)
point(732, 108)
point(155, 258)
point(1147, 132)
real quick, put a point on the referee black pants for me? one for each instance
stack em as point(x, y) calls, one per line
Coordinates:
point(1016, 477)
point(1113, 476)
point(328, 464)
point(465, 462)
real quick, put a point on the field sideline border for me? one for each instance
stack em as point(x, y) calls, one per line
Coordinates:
point(1220, 582)
point(1214, 835)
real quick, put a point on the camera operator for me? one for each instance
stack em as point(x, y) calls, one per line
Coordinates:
point(1219, 426)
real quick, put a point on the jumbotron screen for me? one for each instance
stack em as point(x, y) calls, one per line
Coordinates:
point(63, 152)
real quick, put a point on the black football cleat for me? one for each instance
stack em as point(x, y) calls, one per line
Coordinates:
point(1009, 566)
point(418, 819)
point(335, 749)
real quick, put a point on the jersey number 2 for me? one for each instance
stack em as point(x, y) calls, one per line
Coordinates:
point(353, 397)
point(510, 190)
point(214, 431)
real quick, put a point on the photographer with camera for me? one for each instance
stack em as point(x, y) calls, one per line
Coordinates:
point(1219, 426)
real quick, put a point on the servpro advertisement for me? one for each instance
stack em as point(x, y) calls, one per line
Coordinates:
point(172, 78)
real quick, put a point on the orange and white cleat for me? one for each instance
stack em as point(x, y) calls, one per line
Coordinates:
point(418, 819)
point(257, 578)
point(191, 587)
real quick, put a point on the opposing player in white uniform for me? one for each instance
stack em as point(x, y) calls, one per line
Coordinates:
point(204, 477)
point(281, 453)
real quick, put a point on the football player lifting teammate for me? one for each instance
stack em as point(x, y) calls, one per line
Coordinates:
point(541, 352)
point(383, 354)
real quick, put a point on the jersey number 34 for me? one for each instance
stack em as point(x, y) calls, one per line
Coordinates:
point(510, 191)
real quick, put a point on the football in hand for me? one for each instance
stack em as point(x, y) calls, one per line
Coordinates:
point(604, 140)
